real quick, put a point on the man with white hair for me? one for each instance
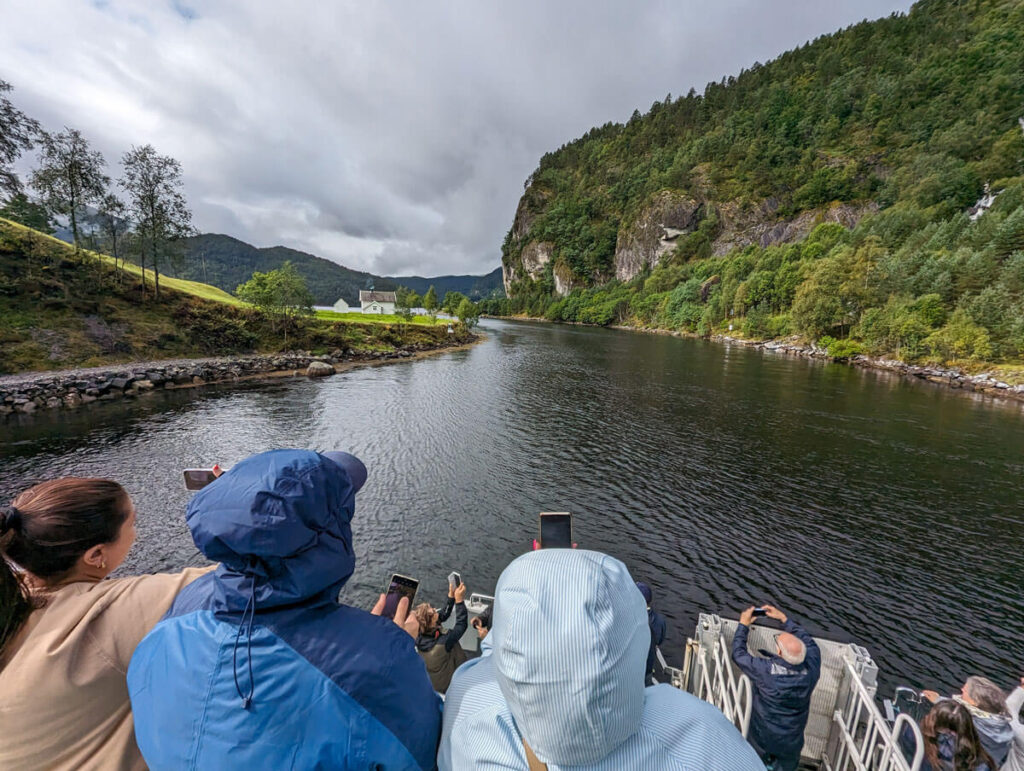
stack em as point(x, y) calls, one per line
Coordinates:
point(782, 682)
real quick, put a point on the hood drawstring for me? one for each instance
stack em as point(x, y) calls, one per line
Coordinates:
point(250, 611)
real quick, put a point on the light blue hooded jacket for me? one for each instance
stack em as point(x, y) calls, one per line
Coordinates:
point(565, 673)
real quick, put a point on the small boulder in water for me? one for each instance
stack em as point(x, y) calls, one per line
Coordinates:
point(319, 369)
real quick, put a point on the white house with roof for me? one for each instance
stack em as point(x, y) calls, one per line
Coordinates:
point(377, 302)
point(341, 306)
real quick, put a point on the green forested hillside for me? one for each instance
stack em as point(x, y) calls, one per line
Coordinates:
point(64, 308)
point(874, 141)
point(226, 262)
point(474, 287)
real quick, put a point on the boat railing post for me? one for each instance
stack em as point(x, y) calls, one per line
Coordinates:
point(709, 630)
point(860, 737)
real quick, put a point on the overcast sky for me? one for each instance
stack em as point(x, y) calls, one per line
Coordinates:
point(388, 135)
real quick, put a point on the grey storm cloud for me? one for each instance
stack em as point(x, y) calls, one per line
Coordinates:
point(388, 136)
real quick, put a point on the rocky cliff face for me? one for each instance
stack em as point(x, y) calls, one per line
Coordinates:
point(534, 257)
point(761, 225)
point(669, 216)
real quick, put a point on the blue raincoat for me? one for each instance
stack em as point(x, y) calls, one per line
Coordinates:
point(256, 665)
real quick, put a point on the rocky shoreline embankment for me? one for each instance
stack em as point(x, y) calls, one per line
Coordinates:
point(951, 377)
point(70, 389)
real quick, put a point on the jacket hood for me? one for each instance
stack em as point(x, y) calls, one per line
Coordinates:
point(570, 641)
point(281, 519)
point(995, 728)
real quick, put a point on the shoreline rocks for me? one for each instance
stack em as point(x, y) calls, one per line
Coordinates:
point(70, 389)
point(952, 377)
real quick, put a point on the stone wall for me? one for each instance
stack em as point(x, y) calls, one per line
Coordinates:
point(71, 389)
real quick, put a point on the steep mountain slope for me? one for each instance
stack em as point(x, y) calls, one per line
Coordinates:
point(918, 110)
point(865, 190)
point(226, 262)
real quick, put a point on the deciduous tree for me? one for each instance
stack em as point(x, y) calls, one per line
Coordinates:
point(70, 176)
point(157, 206)
point(113, 220)
point(430, 302)
point(20, 208)
point(17, 133)
point(282, 294)
point(467, 312)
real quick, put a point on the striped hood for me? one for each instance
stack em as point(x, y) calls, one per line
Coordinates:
point(570, 645)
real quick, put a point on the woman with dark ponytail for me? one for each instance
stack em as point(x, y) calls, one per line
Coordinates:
point(66, 634)
point(951, 742)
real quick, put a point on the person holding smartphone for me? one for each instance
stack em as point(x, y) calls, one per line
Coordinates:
point(440, 650)
point(782, 683)
point(258, 664)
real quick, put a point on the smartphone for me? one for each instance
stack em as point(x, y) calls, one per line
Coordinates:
point(454, 580)
point(759, 612)
point(555, 530)
point(198, 478)
point(398, 587)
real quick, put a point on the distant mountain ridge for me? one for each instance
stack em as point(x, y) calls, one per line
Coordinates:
point(226, 262)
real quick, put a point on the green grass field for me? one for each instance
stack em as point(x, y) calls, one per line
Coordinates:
point(378, 318)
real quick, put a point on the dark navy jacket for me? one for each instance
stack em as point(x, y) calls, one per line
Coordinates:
point(332, 686)
point(782, 693)
point(658, 626)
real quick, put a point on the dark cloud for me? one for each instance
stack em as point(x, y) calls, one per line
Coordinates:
point(392, 137)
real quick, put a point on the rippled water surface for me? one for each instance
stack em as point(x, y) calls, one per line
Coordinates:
point(873, 508)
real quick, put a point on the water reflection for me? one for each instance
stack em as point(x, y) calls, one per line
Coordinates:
point(875, 508)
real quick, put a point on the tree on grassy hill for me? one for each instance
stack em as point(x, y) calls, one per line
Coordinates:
point(17, 133)
point(405, 301)
point(156, 204)
point(430, 302)
point(114, 225)
point(70, 176)
point(20, 208)
point(406, 298)
point(452, 301)
point(282, 294)
point(467, 312)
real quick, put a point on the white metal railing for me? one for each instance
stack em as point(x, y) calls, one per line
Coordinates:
point(709, 675)
point(861, 737)
point(846, 731)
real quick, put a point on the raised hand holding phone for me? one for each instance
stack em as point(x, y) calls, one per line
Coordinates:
point(402, 617)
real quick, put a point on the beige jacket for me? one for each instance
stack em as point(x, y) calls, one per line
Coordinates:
point(63, 696)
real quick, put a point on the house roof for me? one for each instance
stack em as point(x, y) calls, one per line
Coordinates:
point(381, 297)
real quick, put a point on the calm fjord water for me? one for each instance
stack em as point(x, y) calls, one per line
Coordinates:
point(870, 507)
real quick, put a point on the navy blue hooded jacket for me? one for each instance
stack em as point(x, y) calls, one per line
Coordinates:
point(782, 693)
point(331, 686)
point(658, 626)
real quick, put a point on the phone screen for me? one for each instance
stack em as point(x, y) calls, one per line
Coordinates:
point(198, 478)
point(400, 586)
point(556, 531)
